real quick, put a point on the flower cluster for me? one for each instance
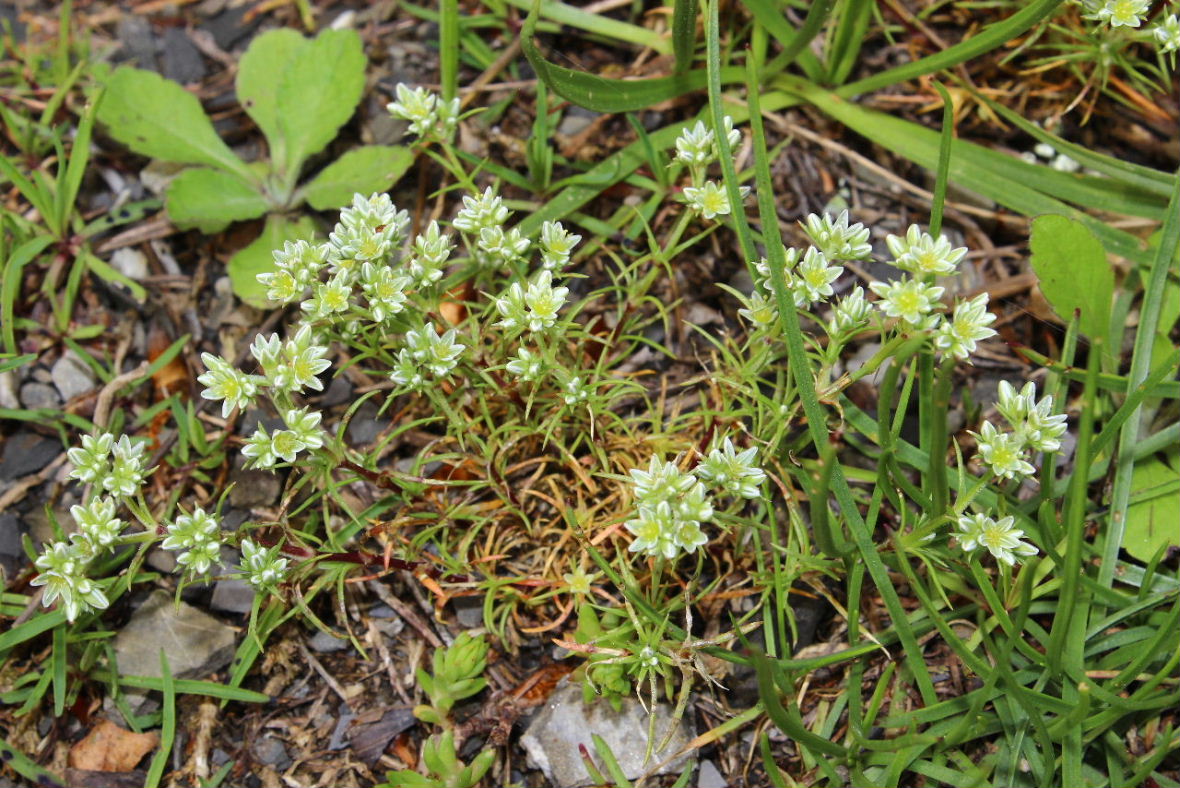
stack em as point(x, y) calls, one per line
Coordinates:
point(264, 567)
point(1117, 13)
point(114, 466)
point(427, 350)
point(671, 505)
point(1033, 425)
point(430, 117)
point(999, 537)
point(697, 147)
point(199, 536)
point(1167, 34)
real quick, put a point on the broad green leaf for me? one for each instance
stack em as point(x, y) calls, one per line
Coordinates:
point(684, 28)
point(1154, 512)
point(318, 93)
point(211, 199)
point(260, 72)
point(258, 257)
point(1073, 271)
point(373, 168)
point(158, 118)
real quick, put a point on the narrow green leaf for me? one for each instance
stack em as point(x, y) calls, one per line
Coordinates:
point(1073, 271)
point(38, 196)
point(260, 72)
point(597, 24)
point(157, 117)
point(79, 157)
point(10, 285)
point(610, 95)
point(684, 29)
point(318, 94)
point(258, 258)
point(769, 14)
point(108, 273)
point(991, 37)
point(210, 200)
point(167, 729)
point(365, 170)
point(448, 45)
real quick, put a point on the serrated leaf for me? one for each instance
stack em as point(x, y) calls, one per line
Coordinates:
point(260, 72)
point(373, 168)
point(318, 93)
point(1073, 271)
point(1152, 519)
point(210, 200)
point(158, 118)
point(258, 257)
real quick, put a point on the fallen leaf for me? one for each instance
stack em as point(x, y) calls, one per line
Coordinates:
point(109, 748)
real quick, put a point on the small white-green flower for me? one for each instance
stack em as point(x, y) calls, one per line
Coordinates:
point(302, 260)
point(655, 529)
point(1032, 422)
point(268, 352)
point(836, 238)
point(919, 253)
point(908, 299)
point(330, 297)
point(91, 459)
point(63, 575)
point(306, 427)
point(418, 106)
point(302, 361)
point(384, 290)
point(851, 312)
point(512, 308)
point(557, 244)
point(710, 200)
point(97, 523)
point(282, 286)
point(407, 371)
point(695, 505)
point(485, 211)
point(812, 278)
point(543, 301)
point(695, 145)
point(127, 472)
point(223, 382)
point(1167, 34)
point(444, 351)
point(527, 366)
point(1002, 452)
point(575, 391)
point(999, 537)
point(732, 471)
point(264, 566)
point(429, 255)
point(1121, 13)
point(579, 581)
point(1015, 406)
point(502, 247)
point(958, 335)
point(662, 481)
point(259, 449)
point(759, 310)
point(199, 536)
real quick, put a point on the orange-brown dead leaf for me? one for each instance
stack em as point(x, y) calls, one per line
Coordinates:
point(109, 748)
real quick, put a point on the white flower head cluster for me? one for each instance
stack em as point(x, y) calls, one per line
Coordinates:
point(697, 146)
point(711, 200)
point(114, 466)
point(1033, 428)
point(198, 535)
point(534, 307)
point(63, 573)
point(1000, 537)
point(426, 351)
point(484, 217)
point(671, 505)
point(1167, 34)
point(264, 567)
point(430, 117)
point(303, 432)
point(1117, 13)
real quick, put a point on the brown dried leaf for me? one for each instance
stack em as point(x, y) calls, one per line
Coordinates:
point(109, 748)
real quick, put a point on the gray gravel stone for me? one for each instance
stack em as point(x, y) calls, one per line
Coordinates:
point(38, 396)
point(25, 453)
point(131, 263)
point(253, 488)
point(195, 643)
point(139, 43)
point(8, 390)
point(710, 777)
point(72, 376)
point(469, 611)
point(12, 554)
point(271, 752)
point(326, 643)
point(182, 59)
point(553, 736)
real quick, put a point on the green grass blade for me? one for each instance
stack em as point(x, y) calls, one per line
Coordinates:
point(990, 38)
point(596, 24)
point(769, 15)
point(684, 28)
point(167, 729)
point(79, 158)
point(10, 285)
point(448, 48)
